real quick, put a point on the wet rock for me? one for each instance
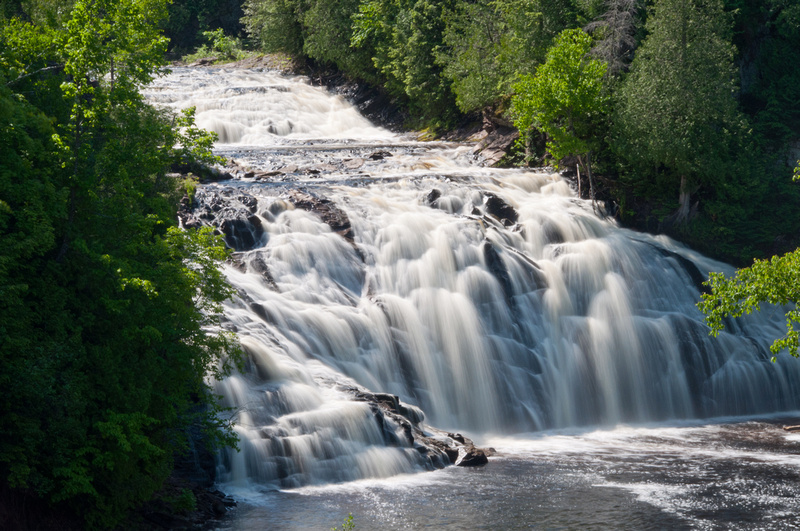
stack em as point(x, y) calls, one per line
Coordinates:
point(458, 438)
point(242, 232)
point(689, 267)
point(330, 214)
point(186, 216)
point(380, 155)
point(203, 172)
point(205, 61)
point(473, 457)
point(237, 261)
point(496, 266)
point(452, 454)
point(432, 196)
point(259, 265)
point(248, 201)
point(501, 210)
point(440, 448)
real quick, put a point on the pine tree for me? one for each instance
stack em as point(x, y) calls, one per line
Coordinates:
point(677, 112)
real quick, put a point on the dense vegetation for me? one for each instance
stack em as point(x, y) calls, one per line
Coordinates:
point(104, 303)
point(688, 131)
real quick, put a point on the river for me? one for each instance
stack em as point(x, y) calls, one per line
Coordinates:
point(493, 303)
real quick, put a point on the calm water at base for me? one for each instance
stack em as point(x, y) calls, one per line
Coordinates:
point(721, 475)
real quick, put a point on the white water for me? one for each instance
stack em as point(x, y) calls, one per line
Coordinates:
point(560, 320)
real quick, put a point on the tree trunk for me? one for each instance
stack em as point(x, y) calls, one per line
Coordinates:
point(591, 180)
point(684, 203)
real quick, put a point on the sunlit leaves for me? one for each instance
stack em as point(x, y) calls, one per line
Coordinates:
point(775, 281)
point(564, 96)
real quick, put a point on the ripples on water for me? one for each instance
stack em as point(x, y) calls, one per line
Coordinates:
point(732, 475)
point(558, 320)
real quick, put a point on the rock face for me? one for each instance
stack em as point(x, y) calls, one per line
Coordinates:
point(496, 144)
point(231, 211)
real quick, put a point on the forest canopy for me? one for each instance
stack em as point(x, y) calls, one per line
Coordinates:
point(105, 304)
point(698, 117)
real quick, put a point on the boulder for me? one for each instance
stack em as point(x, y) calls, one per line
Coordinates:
point(242, 232)
point(473, 457)
point(501, 210)
point(401, 424)
point(380, 155)
point(432, 196)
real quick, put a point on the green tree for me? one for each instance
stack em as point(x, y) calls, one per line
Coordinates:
point(676, 110)
point(564, 99)
point(405, 37)
point(328, 28)
point(104, 303)
point(489, 43)
point(275, 25)
point(775, 281)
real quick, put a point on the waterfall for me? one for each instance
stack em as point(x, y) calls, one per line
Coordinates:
point(486, 300)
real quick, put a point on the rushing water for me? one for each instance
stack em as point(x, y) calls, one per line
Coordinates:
point(494, 301)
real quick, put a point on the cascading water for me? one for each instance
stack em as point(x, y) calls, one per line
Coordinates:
point(495, 301)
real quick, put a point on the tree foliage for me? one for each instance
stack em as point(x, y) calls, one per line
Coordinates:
point(565, 98)
point(775, 281)
point(676, 110)
point(105, 306)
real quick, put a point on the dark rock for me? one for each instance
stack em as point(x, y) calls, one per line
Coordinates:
point(440, 448)
point(689, 267)
point(473, 457)
point(203, 172)
point(432, 196)
point(498, 268)
point(237, 261)
point(330, 214)
point(458, 437)
point(242, 232)
point(501, 210)
point(380, 155)
point(259, 265)
point(205, 61)
point(452, 454)
point(249, 201)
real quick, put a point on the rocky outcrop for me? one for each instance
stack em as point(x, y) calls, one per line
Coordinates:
point(689, 267)
point(231, 211)
point(439, 448)
point(496, 144)
point(203, 172)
